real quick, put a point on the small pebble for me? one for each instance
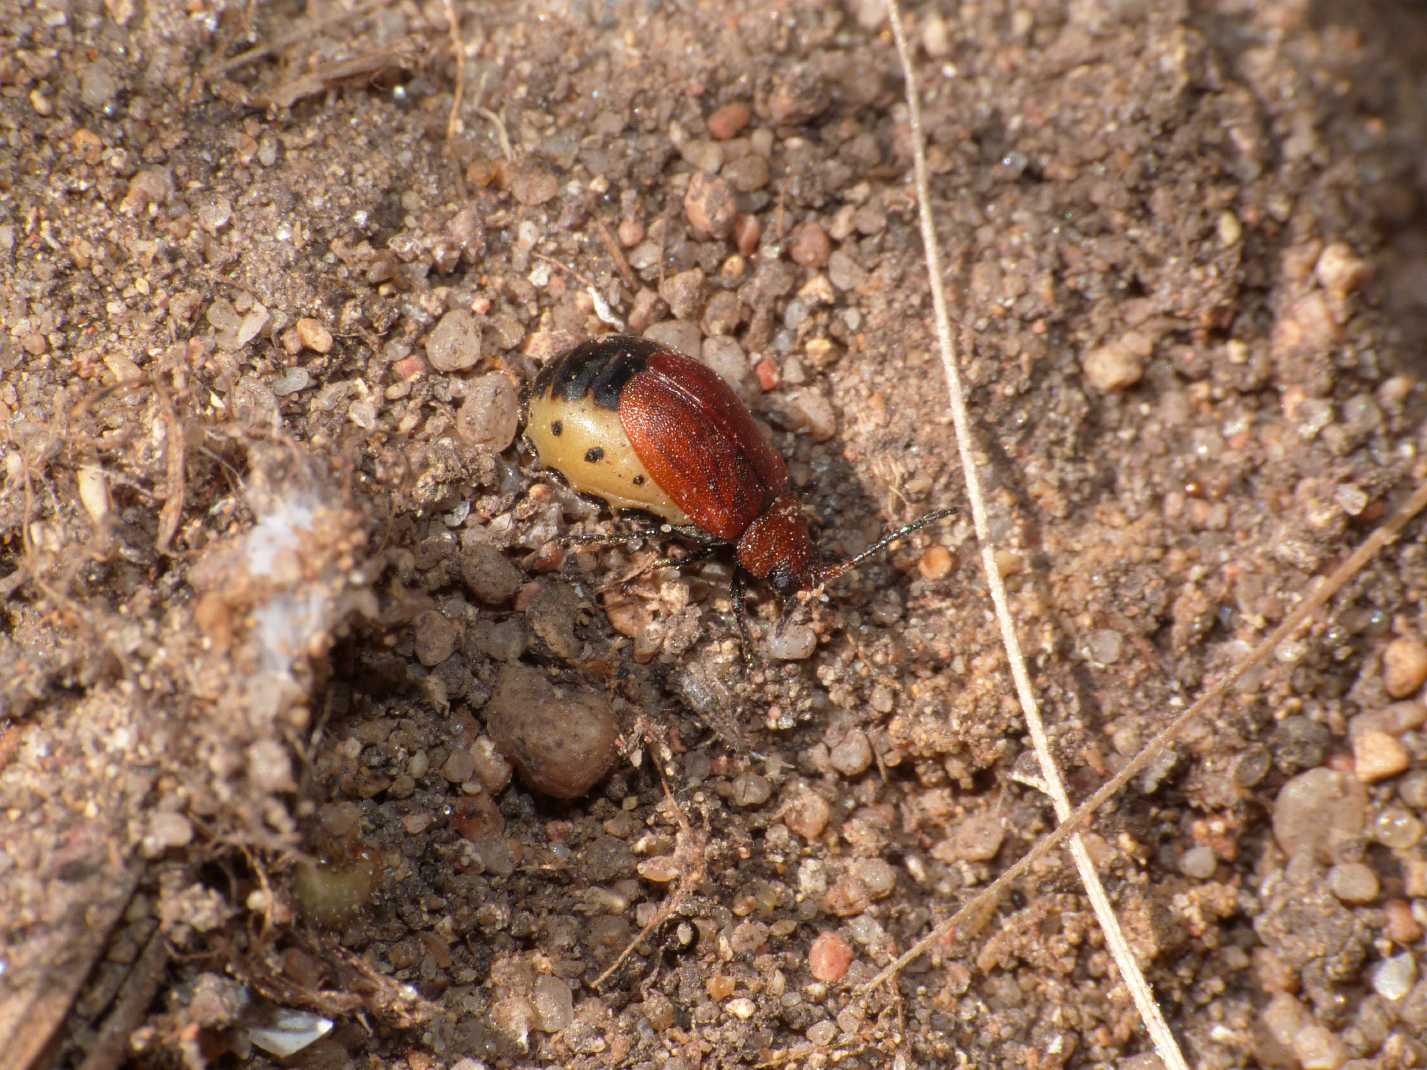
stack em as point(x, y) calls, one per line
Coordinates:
point(742, 1007)
point(750, 790)
point(720, 986)
point(747, 232)
point(554, 1004)
point(747, 174)
point(1317, 810)
point(454, 344)
point(844, 272)
point(662, 870)
point(809, 245)
point(460, 767)
point(847, 897)
point(1377, 756)
point(807, 814)
point(1339, 270)
point(748, 937)
point(852, 755)
point(167, 829)
point(1397, 828)
point(1393, 978)
point(491, 768)
point(532, 185)
point(1318, 1048)
point(822, 1033)
point(1198, 863)
point(434, 637)
point(490, 415)
point(877, 876)
point(1105, 646)
point(98, 84)
point(1354, 883)
point(1402, 927)
point(812, 412)
point(560, 740)
point(684, 291)
point(514, 1017)
point(792, 642)
point(729, 120)
point(313, 335)
point(709, 205)
point(1404, 666)
point(829, 957)
point(1118, 365)
point(291, 381)
point(488, 574)
point(631, 232)
point(935, 563)
point(978, 838)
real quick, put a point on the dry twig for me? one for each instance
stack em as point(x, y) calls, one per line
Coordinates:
point(1054, 786)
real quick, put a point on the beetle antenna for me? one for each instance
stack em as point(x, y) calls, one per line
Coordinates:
point(832, 572)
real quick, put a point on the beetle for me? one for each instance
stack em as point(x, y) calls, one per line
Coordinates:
point(644, 427)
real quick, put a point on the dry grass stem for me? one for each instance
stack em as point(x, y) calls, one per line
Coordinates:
point(1149, 1010)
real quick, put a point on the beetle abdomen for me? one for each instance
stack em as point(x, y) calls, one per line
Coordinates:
point(572, 419)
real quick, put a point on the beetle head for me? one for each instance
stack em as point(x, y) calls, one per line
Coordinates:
point(778, 548)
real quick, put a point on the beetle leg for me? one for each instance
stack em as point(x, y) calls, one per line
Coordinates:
point(740, 616)
point(697, 535)
point(625, 537)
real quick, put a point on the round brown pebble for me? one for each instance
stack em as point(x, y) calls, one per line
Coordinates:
point(751, 790)
point(1404, 666)
point(747, 232)
point(709, 205)
point(978, 838)
point(490, 415)
point(488, 575)
point(810, 246)
point(532, 185)
point(795, 642)
point(935, 563)
point(460, 767)
point(852, 754)
point(1354, 883)
point(631, 232)
point(807, 814)
point(313, 335)
point(1318, 810)
point(560, 740)
point(454, 344)
point(829, 957)
point(1118, 365)
point(434, 637)
point(1377, 756)
point(729, 120)
point(1340, 271)
point(1402, 926)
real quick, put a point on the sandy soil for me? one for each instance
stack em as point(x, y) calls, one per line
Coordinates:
point(281, 584)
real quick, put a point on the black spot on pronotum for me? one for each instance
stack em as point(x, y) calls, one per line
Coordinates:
point(594, 455)
point(639, 481)
point(556, 427)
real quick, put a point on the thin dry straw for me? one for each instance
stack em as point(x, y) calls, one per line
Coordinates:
point(978, 904)
point(1053, 785)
